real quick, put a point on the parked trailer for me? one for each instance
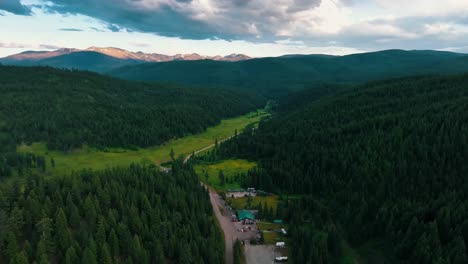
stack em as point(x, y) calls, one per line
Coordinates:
point(284, 231)
point(280, 244)
point(281, 259)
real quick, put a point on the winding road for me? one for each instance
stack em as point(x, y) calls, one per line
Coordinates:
point(207, 148)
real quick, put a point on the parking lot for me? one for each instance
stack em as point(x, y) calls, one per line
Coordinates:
point(259, 254)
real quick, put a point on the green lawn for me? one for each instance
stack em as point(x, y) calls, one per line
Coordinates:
point(270, 238)
point(269, 226)
point(230, 168)
point(88, 157)
point(241, 203)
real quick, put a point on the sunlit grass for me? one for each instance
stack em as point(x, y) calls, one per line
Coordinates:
point(242, 202)
point(88, 157)
point(230, 168)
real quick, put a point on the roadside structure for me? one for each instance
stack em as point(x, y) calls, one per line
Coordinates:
point(245, 215)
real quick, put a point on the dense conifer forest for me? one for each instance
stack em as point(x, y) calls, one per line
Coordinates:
point(66, 109)
point(120, 215)
point(383, 161)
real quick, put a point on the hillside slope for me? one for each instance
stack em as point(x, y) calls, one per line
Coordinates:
point(70, 108)
point(276, 77)
point(385, 160)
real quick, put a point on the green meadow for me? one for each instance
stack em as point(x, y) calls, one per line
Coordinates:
point(242, 202)
point(230, 168)
point(92, 158)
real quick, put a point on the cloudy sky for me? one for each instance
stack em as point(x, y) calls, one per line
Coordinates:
point(254, 27)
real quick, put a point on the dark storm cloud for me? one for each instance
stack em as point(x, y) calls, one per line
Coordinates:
point(192, 19)
point(164, 19)
point(15, 7)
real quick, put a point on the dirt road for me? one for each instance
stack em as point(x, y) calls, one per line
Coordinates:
point(225, 224)
point(230, 229)
point(206, 148)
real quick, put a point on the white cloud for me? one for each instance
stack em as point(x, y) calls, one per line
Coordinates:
point(287, 26)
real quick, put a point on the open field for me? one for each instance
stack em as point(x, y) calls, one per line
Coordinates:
point(270, 237)
point(88, 157)
point(230, 168)
point(241, 203)
point(269, 226)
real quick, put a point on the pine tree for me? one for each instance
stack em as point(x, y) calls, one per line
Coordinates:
point(89, 257)
point(105, 254)
point(46, 244)
point(222, 178)
point(114, 244)
point(71, 256)
point(101, 232)
point(172, 154)
point(61, 229)
point(20, 258)
point(157, 255)
point(11, 245)
point(459, 252)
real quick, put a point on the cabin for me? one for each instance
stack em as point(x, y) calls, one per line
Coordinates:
point(245, 215)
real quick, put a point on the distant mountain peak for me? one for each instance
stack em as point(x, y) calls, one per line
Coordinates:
point(122, 54)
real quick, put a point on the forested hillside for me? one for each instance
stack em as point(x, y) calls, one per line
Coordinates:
point(133, 215)
point(385, 161)
point(276, 77)
point(66, 109)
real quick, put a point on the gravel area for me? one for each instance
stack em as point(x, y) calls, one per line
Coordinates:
point(255, 254)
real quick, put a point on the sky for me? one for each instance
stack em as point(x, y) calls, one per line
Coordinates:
point(257, 28)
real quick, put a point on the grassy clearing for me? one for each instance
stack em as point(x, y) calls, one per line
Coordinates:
point(242, 203)
point(270, 238)
point(92, 158)
point(230, 168)
point(269, 226)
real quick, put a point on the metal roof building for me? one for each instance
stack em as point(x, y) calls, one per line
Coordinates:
point(245, 214)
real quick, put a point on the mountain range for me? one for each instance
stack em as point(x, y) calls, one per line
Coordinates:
point(271, 77)
point(279, 76)
point(103, 59)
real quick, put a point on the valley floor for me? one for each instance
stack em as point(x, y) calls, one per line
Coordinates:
point(95, 159)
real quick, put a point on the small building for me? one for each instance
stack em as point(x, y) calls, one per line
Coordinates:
point(245, 215)
point(279, 222)
point(283, 231)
